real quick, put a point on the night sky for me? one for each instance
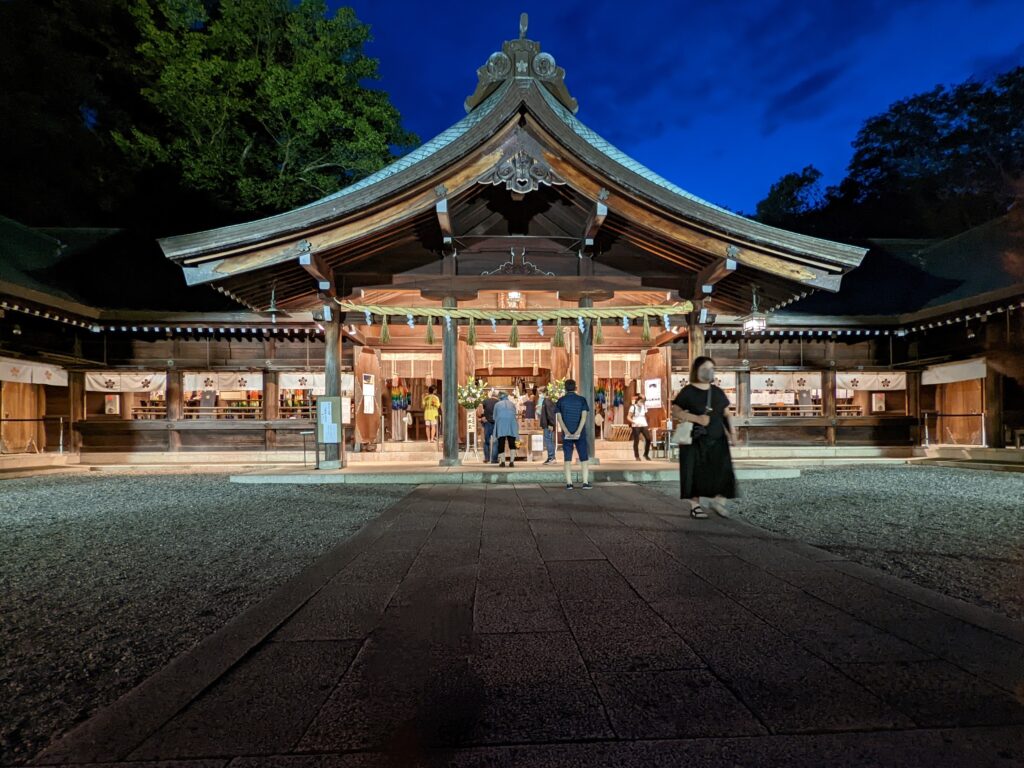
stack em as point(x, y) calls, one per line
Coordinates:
point(720, 98)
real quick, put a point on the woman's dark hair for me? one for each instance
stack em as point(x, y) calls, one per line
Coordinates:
point(638, 396)
point(696, 366)
point(430, 389)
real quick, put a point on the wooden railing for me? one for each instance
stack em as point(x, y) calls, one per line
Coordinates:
point(223, 412)
point(297, 412)
point(149, 411)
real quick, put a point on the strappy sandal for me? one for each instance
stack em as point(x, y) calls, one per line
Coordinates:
point(698, 512)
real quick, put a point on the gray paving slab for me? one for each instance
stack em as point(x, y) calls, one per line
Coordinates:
point(626, 636)
point(828, 632)
point(260, 707)
point(535, 689)
point(674, 704)
point(790, 689)
point(589, 580)
point(517, 600)
point(935, 693)
point(340, 611)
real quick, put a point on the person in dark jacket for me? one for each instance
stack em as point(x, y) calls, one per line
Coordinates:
point(486, 413)
point(548, 422)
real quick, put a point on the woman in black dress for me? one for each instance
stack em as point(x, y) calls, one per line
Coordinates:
point(705, 466)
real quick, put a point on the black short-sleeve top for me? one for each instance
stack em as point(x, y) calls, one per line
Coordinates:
point(695, 400)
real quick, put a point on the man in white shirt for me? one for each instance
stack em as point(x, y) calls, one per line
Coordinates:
point(637, 418)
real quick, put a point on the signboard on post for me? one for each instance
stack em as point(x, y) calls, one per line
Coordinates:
point(328, 420)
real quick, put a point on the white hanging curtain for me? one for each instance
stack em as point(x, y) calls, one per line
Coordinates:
point(785, 380)
point(223, 382)
point(870, 381)
point(311, 380)
point(120, 381)
point(32, 373)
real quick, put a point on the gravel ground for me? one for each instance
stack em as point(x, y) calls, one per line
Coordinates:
point(106, 578)
point(959, 532)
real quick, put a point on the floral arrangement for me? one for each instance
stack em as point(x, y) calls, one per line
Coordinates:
point(556, 389)
point(472, 393)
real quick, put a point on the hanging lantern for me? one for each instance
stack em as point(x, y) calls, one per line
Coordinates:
point(385, 333)
point(471, 334)
point(513, 337)
point(559, 340)
point(430, 329)
point(645, 335)
point(598, 332)
point(540, 327)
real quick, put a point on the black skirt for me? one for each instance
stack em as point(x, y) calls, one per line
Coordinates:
point(705, 469)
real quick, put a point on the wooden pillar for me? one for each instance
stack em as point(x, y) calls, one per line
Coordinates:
point(914, 405)
point(127, 398)
point(585, 385)
point(175, 407)
point(743, 405)
point(828, 403)
point(271, 407)
point(694, 338)
point(994, 437)
point(332, 375)
point(449, 385)
point(76, 407)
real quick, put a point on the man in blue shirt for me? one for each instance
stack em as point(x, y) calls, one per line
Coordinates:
point(572, 412)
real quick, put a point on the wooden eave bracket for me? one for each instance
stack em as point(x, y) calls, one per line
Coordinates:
point(314, 264)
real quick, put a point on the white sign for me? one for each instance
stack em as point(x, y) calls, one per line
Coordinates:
point(652, 393)
point(346, 410)
point(368, 404)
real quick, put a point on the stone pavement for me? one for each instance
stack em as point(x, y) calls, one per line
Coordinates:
point(525, 625)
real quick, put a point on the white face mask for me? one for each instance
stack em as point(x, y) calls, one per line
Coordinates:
point(706, 374)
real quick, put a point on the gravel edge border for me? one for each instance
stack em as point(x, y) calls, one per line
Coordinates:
point(112, 733)
point(977, 615)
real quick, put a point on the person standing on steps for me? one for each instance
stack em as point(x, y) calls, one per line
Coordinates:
point(486, 415)
point(431, 405)
point(506, 428)
point(548, 422)
point(637, 418)
point(705, 465)
point(572, 412)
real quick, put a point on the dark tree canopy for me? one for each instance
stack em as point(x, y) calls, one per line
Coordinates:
point(177, 115)
point(932, 165)
point(261, 103)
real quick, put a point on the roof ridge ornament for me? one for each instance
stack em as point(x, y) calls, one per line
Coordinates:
point(522, 60)
point(522, 167)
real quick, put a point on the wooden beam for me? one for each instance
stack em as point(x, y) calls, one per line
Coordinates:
point(314, 264)
point(720, 268)
point(594, 221)
point(444, 218)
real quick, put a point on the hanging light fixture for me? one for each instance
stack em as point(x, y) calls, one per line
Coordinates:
point(757, 320)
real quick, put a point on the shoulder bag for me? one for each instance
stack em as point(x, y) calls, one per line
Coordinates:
point(683, 433)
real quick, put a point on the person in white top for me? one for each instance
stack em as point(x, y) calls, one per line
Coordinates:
point(637, 417)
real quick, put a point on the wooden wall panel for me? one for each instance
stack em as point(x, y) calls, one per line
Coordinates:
point(22, 401)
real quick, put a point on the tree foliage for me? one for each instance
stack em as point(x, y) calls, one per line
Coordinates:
point(792, 196)
point(932, 165)
point(260, 103)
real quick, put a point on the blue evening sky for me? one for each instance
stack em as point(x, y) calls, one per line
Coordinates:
point(721, 98)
